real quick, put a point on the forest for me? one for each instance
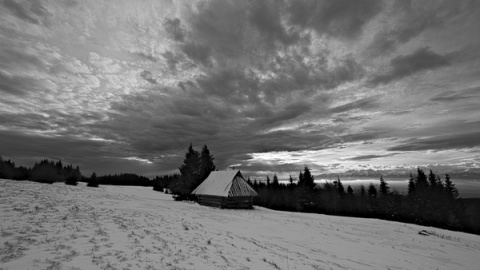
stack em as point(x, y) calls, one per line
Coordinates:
point(431, 200)
point(50, 172)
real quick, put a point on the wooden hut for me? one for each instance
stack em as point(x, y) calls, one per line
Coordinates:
point(225, 189)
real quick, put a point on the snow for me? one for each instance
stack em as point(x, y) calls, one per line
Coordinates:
point(114, 227)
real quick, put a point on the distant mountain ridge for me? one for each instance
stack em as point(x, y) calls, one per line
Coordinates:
point(471, 173)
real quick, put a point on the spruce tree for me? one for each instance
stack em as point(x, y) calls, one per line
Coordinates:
point(362, 191)
point(450, 189)
point(384, 189)
point(206, 164)
point(372, 191)
point(421, 182)
point(339, 186)
point(189, 173)
point(93, 181)
point(275, 183)
point(349, 190)
point(411, 186)
point(306, 179)
point(290, 180)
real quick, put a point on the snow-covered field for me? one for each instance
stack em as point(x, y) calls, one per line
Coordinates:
point(75, 227)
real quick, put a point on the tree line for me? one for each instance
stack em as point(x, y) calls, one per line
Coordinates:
point(44, 171)
point(431, 200)
point(47, 171)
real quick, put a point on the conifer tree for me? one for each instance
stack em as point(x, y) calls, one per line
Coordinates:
point(306, 179)
point(421, 183)
point(206, 164)
point(450, 189)
point(93, 181)
point(290, 180)
point(384, 189)
point(189, 173)
point(339, 186)
point(275, 183)
point(372, 191)
point(411, 185)
point(362, 191)
point(349, 190)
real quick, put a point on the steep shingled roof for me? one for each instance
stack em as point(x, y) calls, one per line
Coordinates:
point(225, 184)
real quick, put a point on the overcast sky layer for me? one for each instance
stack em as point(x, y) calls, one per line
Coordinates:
point(269, 86)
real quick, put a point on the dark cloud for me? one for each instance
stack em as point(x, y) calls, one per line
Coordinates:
point(266, 16)
point(147, 75)
point(29, 121)
point(18, 85)
point(451, 96)
point(406, 65)
point(303, 73)
point(288, 140)
point(342, 18)
point(231, 84)
point(442, 142)
point(414, 19)
point(172, 60)
point(48, 147)
point(290, 112)
point(30, 11)
point(90, 156)
point(197, 52)
point(12, 56)
point(175, 29)
point(370, 157)
point(222, 25)
point(346, 70)
point(387, 40)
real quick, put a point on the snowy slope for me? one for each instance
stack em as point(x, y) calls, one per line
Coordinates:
point(65, 227)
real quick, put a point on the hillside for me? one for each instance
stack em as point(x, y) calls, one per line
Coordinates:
point(111, 227)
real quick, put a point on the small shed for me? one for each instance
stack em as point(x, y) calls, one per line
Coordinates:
point(225, 189)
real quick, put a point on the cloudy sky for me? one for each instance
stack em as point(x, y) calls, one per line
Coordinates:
point(269, 86)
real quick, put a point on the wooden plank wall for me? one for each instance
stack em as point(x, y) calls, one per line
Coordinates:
point(224, 202)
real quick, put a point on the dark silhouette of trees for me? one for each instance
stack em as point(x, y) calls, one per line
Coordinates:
point(290, 181)
point(206, 164)
point(164, 181)
point(305, 190)
point(339, 186)
point(349, 190)
point(450, 189)
point(194, 170)
point(92, 181)
point(372, 191)
point(275, 183)
point(8, 170)
point(125, 179)
point(430, 201)
point(306, 179)
point(384, 188)
point(411, 185)
point(44, 171)
point(72, 176)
